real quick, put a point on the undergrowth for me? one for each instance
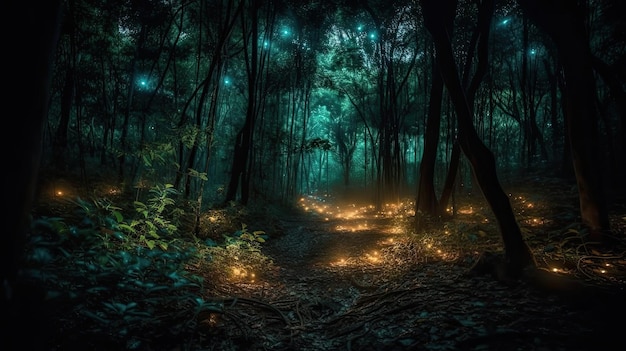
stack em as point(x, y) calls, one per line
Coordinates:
point(125, 276)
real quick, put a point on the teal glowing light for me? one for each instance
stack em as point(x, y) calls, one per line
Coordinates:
point(505, 21)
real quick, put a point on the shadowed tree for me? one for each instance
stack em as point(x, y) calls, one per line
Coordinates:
point(564, 22)
point(255, 63)
point(22, 317)
point(208, 90)
point(517, 254)
point(426, 198)
point(477, 46)
point(392, 40)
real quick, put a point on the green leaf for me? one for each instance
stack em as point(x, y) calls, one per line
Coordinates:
point(147, 161)
point(118, 216)
point(154, 234)
point(126, 228)
point(151, 244)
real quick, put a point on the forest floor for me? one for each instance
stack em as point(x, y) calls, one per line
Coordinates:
point(354, 281)
point(350, 277)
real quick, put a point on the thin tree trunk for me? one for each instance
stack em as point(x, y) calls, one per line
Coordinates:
point(426, 197)
point(242, 160)
point(517, 253)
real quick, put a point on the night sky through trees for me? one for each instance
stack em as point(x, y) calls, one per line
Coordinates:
point(317, 175)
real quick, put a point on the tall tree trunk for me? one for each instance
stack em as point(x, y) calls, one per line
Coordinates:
point(21, 305)
point(241, 172)
point(564, 22)
point(59, 146)
point(132, 76)
point(517, 253)
point(426, 197)
point(448, 184)
point(619, 97)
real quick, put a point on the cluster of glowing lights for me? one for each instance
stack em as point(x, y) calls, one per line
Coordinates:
point(523, 203)
point(533, 222)
point(352, 211)
point(113, 191)
point(356, 218)
point(429, 249)
point(373, 257)
point(396, 229)
point(466, 210)
point(242, 275)
point(354, 228)
point(596, 270)
point(399, 210)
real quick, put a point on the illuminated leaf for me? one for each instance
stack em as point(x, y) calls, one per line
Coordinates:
point(118, 216)
point(151, 244)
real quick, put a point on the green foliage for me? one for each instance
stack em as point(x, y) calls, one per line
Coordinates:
point(239, 258)
point(245, 235)
point(189, 135)
point(153, 224)
point(196, 174)
point(157, 153)
point(109, 290)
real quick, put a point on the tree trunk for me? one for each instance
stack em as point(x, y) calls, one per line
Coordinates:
point(426, 197)
point(564, 22)
point(21, 305)
point(448, 185)
point(517, 253)
point(59, 147)
point(240, 173)
point(619, 97)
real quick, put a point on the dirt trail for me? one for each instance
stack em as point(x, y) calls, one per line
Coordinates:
point(430, 306)
point(311, 241)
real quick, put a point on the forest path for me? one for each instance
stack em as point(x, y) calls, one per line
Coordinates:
point(312, 240)
point(338, 289)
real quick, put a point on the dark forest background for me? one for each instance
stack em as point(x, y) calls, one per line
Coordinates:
point(216, 103)
point(231, 100)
